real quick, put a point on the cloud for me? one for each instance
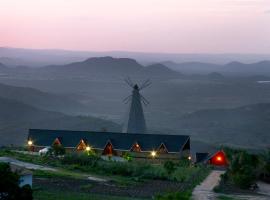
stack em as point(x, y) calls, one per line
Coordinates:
point(267, 12)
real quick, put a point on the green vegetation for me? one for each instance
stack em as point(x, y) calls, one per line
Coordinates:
point(77, 166)
point(225, 198)
point(175, 196)
point(244, 170)
point(9, 185)
point(192, 176)
point(63, 195)
point(169, 166)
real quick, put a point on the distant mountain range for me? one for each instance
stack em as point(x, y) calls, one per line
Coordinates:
point(16, 118)
point(103, 66)
point(232, 68)
point(96, 67)
point(42, 57)
point(109, 67)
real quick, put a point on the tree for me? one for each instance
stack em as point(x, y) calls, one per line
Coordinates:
point(242, 169)
point(9, 185)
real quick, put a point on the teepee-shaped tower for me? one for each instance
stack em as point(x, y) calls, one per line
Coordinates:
point(135, 121)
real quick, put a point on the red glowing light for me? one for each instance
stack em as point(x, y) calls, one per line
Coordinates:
point(219, 158)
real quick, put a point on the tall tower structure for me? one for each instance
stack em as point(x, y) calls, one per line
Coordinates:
point(135, 121)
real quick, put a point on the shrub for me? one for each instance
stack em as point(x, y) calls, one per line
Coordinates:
point(169, 166)
point(9, 185)
point(242, 171)
point(127, 156)
point(58, 150)
point(81, 159)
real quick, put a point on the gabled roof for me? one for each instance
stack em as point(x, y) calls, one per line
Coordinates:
point(122, 141)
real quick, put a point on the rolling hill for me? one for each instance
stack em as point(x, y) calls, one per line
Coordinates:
point(16, 118)
point(42, 100)
point(244, 126)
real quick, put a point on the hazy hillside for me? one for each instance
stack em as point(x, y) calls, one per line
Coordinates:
point(108, 67)
point(232, 68)
point(2, 66)
point(259, 68)
point(160, 70)
point(16, 118)
point(193, 67)
point(42, 100)
point(247, 126)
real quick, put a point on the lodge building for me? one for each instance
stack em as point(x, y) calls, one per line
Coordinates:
point(139, 146)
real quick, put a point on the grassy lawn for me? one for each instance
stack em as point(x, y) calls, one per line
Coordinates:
point(60, 195)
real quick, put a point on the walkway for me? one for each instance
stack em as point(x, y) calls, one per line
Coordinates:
point(204, 191)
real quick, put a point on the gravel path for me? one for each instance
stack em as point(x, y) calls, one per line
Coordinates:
point(25, 164)
point(204, 191)
point(40, 167)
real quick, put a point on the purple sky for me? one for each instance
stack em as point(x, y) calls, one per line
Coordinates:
point(179, 26)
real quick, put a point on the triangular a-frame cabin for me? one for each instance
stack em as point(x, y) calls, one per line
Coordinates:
point(162, 148)
point(57, 142)
point(108, 149)
point(81, 145)
point(218, 159)
point(136, 147)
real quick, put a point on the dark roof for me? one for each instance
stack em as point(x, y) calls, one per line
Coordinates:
point(201, 157)
point(123, 141)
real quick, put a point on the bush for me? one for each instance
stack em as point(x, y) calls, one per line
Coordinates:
point(81, 159)
point(57, 150)
point(242, 171)
point(9, 185)
point(127, 156)
point(169, 166)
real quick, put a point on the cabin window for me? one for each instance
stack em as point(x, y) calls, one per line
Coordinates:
point(108, 150)
point(81, 146)
point(135, 147)
point(162, 149)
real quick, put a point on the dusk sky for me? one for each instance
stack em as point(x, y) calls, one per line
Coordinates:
point(173, 26)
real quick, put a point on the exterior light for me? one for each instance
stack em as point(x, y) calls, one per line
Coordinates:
point(137, 145)
point(153, 154)
point(30, 142)
point(189, 157)
point(219, 158)
point(88, 148)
